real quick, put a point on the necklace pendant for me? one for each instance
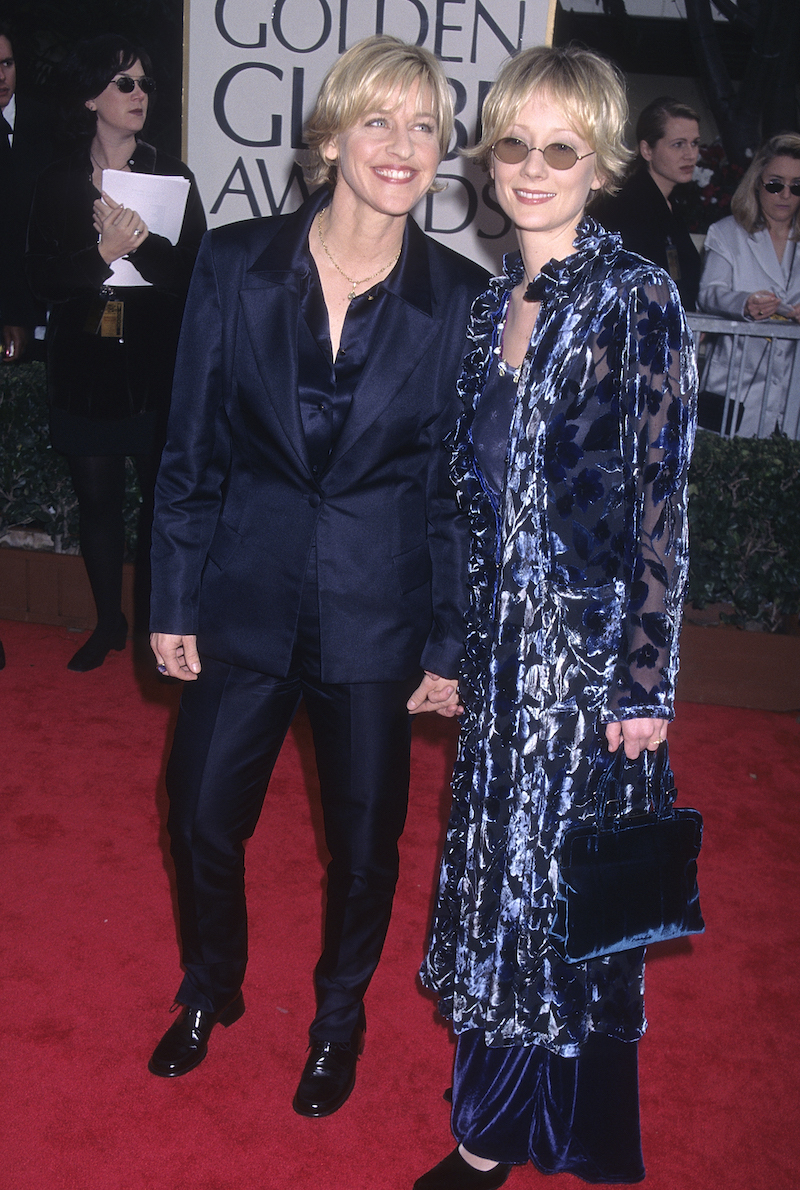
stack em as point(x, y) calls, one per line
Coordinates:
point(351, 295)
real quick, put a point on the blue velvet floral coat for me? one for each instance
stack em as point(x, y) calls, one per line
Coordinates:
point(577, 576)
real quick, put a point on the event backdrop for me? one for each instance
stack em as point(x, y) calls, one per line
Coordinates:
point(253, 70)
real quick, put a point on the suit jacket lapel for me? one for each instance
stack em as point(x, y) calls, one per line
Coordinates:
point(764, 252)
point(405, 332)
point(271, 306)
point(271, 310)
point(402, 337)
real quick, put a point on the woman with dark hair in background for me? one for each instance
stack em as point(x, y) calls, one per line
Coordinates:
point(110, 348)
point(570, 460)
point(752, 271)
point(668, 139)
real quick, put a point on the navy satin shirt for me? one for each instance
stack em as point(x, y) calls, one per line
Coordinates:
point(326, 386)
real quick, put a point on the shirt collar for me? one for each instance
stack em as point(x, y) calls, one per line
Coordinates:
point(10, 111)
point(288, 253)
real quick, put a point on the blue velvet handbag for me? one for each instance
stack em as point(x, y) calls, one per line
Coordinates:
point(628, 879)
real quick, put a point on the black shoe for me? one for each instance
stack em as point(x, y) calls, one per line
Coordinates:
point(329, 1075)
point(185, 1044)
point(93, 653)
point(454, 1173)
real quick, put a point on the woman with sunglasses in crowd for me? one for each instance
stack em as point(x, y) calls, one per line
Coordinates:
point(752, 271)
point(110, 346)
point(570, 460)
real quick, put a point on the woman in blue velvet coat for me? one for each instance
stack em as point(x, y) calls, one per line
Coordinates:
point(570, 459)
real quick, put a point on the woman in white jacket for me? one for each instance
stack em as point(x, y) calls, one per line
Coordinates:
point(752, 271)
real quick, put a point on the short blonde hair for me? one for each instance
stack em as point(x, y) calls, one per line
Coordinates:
point(362, 80)
point(746, 204)
point(586, 85)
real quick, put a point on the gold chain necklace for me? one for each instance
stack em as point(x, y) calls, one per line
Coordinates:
point(353, 284)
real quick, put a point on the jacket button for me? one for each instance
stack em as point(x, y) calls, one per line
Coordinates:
point(314, 500)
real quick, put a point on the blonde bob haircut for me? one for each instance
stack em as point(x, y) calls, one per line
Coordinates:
point(586, 86)
point(363, 80)
point(746, 203)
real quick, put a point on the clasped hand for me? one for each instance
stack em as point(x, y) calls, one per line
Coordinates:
point(120, 229)
point(764, 303)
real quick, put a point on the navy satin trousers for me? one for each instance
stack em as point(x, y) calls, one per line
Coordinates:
point(230, 729)
point(566, 1115)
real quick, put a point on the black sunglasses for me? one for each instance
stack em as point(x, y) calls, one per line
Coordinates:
point(126, 84)
point(779, 187)
point(513, 151)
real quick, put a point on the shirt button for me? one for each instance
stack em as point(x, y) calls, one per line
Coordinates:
point(314, 500)
point(321, 408)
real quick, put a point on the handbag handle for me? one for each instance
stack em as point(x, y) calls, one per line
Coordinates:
point(650, 770)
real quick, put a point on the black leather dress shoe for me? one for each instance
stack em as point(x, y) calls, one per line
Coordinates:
point(185, 1043)
point(454, 1173)
point(329, 1075)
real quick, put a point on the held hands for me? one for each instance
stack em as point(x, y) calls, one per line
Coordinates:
point(121, 230)
point(435, 694)
point(177, 655)
point(636, 735)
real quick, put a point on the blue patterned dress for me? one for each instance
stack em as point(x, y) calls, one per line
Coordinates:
point(577, 574)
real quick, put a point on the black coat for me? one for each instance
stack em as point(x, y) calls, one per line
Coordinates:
point(238, 506)
point(89, 375)
point(643, 218)
point(33, 148)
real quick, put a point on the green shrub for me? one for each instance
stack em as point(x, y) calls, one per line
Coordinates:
point(35, 486)
point(744, 525)
point(744, 507)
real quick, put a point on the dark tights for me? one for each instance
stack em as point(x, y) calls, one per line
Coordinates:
point(99, 482)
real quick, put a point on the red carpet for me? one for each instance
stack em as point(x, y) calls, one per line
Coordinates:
point(89, 964)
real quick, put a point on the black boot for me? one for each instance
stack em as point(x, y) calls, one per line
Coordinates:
point(92, 654)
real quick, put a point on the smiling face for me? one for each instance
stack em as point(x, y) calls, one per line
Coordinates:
point(671, 160)
point(545, 204)
point(118, 112)
point(780, 208)
point(388, 159)
point(8, 72)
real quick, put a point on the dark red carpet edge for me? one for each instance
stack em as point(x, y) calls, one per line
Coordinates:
point(89, 963)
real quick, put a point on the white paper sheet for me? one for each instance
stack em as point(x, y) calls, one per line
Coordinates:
point(161, 203)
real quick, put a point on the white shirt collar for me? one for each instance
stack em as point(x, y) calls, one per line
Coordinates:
point(10, 111)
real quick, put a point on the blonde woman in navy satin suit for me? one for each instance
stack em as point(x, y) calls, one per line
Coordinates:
point(307, 541)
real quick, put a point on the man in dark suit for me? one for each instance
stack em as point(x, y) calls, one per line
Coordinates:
point(307, 541)
point(27, 145)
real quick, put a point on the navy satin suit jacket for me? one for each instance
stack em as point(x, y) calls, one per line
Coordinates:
point(238, 509)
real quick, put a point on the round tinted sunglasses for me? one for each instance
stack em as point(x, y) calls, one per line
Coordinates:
point(126, 84)
point(513, 151)
point(779, 187)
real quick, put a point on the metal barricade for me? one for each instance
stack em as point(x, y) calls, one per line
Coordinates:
point(788, 419)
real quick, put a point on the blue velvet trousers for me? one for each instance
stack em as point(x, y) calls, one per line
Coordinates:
point(230, 729)
point(566, 1115)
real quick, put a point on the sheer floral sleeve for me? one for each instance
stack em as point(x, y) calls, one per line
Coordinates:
point(657, 392)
